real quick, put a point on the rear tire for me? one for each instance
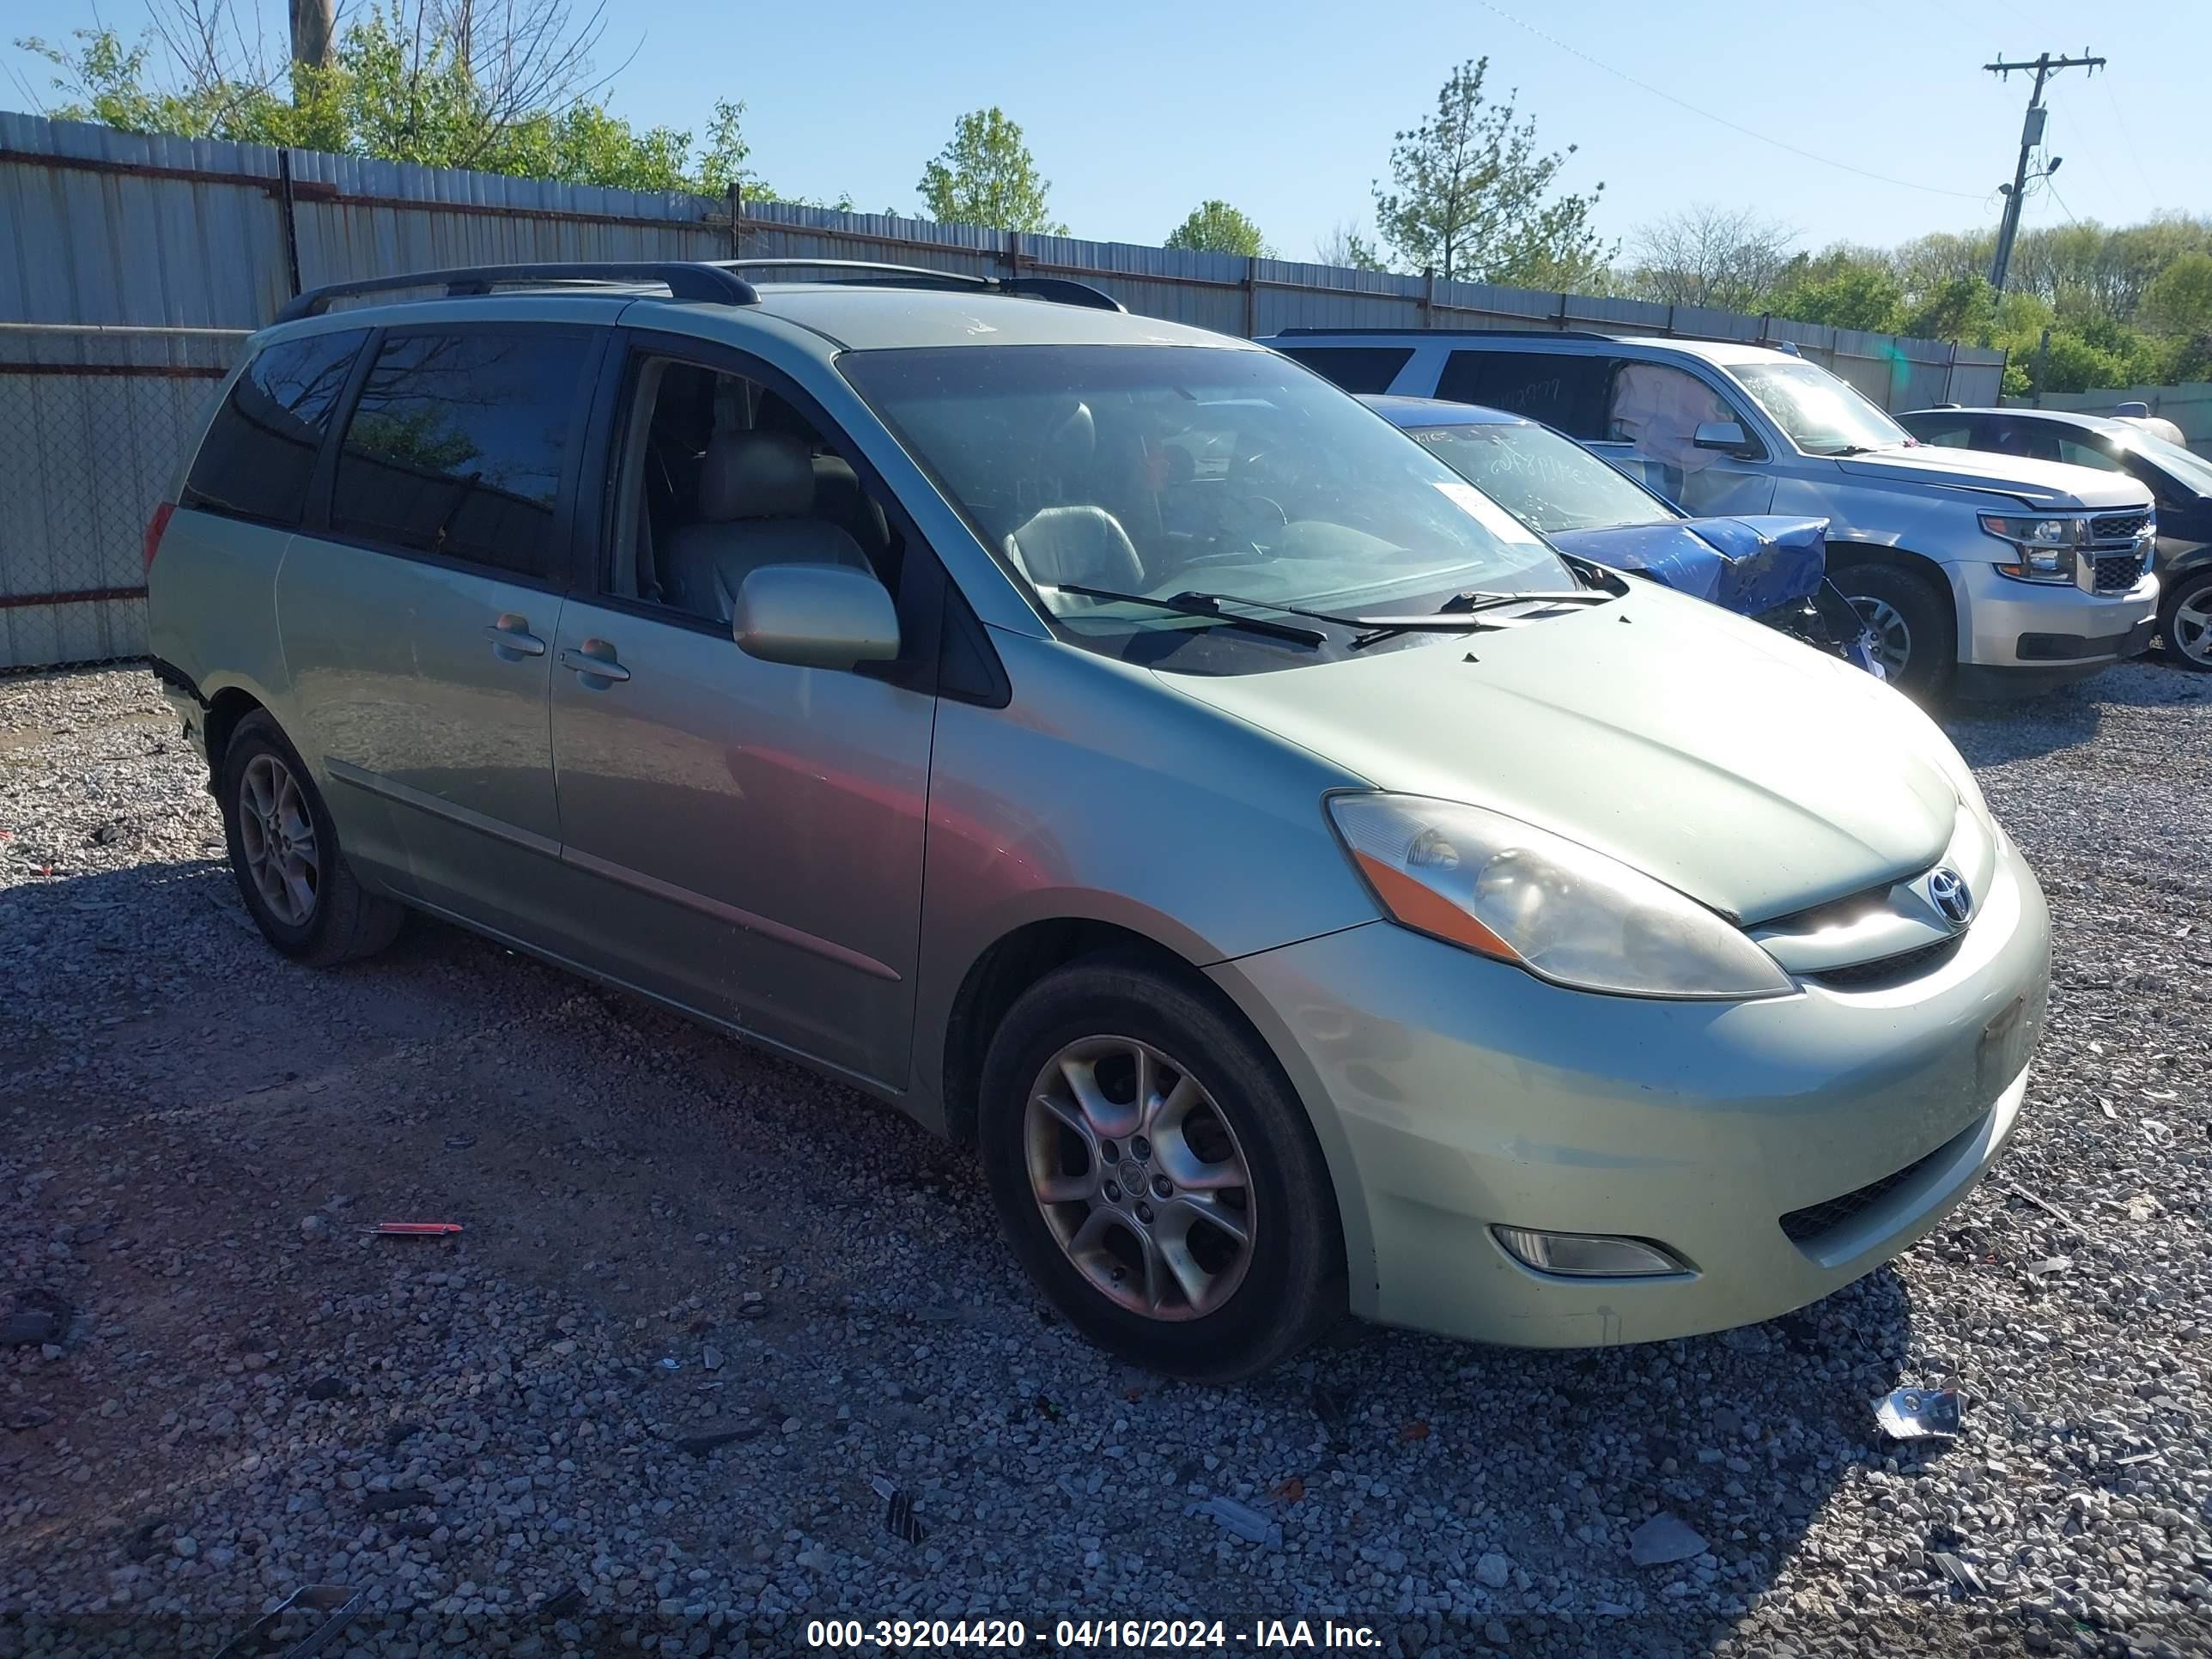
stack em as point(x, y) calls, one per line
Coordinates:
point(1916, 637)
point(284, 852)
point(2185, 622)
point(1123, 1194)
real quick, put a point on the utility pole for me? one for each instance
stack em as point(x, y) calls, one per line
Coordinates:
point(2030, 135)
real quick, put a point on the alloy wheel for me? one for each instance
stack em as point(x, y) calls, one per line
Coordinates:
point(1892, 638)
point(2192, 626)
point(1139, 1177)
point(277, 834)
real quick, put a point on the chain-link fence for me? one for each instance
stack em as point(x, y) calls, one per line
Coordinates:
point(92, 421)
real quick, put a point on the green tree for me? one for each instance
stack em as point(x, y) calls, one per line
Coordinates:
point(2178, 300)
point(985, 175)
point(397, 94)
point(1214, 227)
point(1850, 293)
point(1473, 197)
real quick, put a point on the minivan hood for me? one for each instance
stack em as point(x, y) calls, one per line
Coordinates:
point(1745, 770)
point(2052, 484)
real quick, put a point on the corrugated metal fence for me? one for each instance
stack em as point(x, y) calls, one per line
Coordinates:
point(153, 255)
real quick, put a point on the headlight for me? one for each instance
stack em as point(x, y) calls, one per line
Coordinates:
point(1522, 895)
point(2044, 547)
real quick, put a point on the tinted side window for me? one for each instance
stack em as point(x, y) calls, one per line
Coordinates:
point(260, 452)
point(1355, 368)
point(1566, 392)
point(457, 444)
point(1951, 431)
point(2076, 452)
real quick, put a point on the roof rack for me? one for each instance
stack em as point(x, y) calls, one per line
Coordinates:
point(684, 279)
point(712, 281)
point(867, 272)
point(1538, 330)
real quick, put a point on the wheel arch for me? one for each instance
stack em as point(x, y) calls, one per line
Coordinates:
point(1847, 555)
point(1009, 966)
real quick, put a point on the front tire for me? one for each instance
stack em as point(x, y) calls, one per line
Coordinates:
point(1156, 1174)
point(2185, 621)
point(1915, 637)
point(284, 852)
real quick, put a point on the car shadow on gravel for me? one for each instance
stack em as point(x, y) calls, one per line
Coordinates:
point(1741, 1434)
point(1991, 734)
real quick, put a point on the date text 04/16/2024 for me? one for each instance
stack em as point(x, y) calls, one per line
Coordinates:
point(1091, 1635)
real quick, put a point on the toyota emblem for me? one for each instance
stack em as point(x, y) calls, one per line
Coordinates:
point(1948, 890)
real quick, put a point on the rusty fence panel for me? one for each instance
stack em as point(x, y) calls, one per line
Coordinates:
point(92, 422)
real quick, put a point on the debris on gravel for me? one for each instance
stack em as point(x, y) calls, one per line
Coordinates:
point(476, 1435)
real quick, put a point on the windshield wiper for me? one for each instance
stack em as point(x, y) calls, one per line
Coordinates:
point(1209, 605)
point(1458, 613)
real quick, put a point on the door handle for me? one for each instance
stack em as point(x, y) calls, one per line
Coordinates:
point(593, 666)
point(510, 637)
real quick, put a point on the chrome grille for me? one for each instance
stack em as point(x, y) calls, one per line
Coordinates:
point(2119, 527)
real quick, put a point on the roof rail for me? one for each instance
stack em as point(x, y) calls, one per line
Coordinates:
point(1540, 331)
point(1060, 290)
point(684, 279)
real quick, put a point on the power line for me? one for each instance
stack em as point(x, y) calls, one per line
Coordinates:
point(1722, 120)
point(2150, 189)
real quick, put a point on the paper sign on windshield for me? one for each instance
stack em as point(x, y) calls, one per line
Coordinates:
point(1493, 518)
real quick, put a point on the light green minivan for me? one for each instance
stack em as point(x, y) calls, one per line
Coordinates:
point(1309, 891)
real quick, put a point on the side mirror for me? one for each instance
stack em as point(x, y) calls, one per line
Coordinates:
point(815, 616)
point(1724, 435)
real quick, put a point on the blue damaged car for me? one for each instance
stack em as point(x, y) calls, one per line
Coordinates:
point(1771, 568)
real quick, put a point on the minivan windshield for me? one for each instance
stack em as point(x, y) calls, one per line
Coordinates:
point(1822, 414)
point(1540, 478)
point(1165, 470)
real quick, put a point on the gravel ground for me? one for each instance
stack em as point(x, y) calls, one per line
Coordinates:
point(705, 1300)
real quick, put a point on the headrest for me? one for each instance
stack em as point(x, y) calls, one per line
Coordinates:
point(1070, 437)
point(756, 475)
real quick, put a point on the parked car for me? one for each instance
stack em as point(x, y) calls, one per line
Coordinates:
point(1111, 745)
point(2178, 481)
point(1986, 575)
point(1772, 569)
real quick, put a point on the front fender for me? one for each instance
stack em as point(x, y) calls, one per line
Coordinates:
point(1099, 794)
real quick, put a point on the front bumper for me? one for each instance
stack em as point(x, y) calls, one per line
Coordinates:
point(1996, 613)
point(1451, 1093)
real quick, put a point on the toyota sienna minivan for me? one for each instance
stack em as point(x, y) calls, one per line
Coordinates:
point(1308, 891)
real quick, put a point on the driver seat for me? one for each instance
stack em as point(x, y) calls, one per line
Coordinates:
point(1085, 545)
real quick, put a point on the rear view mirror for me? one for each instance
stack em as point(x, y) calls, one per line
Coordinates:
point(815, 616)
point(1723, 434)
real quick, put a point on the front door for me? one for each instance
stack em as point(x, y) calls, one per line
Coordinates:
point(745, 836)
point(1653, 412)
point(418, 616)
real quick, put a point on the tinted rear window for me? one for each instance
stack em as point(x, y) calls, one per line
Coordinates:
point(260, 452)
point(1568, 392)
point(1355, 368)
point(457, 444)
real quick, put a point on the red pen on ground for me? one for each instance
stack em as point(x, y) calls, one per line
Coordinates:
point(415, 1229)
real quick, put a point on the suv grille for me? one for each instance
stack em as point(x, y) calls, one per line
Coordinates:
point(2116, 573)
point(2119, 527)
point(1803, 1226)
point(1888, 970)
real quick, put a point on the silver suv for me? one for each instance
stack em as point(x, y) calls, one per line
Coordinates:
point(1122, 750)
point(1983, 574)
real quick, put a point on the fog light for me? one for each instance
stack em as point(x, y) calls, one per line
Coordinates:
point(1587, 1255)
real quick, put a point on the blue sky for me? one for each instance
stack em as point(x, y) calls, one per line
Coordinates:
point(1138, 111)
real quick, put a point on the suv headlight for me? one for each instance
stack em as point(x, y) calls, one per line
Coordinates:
point(1507, 889)
point(2044, 547)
